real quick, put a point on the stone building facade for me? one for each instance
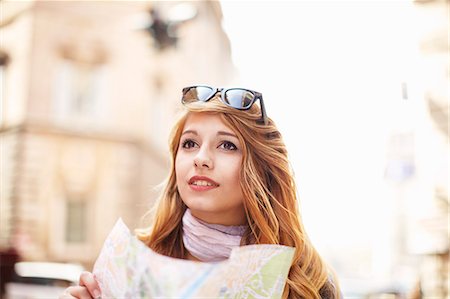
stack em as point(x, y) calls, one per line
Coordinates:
point(87, 101)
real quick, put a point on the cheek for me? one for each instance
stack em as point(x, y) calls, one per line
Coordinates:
point(234, 174)
point(179, 169)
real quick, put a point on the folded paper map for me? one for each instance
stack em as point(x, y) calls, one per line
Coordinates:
point(127, 268)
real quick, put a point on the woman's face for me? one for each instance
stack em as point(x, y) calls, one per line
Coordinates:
point(207, 169)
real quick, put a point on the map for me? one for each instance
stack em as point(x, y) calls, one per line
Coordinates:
point(127, 268)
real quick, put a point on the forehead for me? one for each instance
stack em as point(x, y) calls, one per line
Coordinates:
point(200, 120)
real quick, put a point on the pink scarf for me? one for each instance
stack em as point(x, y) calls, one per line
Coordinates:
point(210, 242)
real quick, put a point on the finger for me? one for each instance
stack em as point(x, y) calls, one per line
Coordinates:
point(66, 294)
point(79, 292)
point(87, 279)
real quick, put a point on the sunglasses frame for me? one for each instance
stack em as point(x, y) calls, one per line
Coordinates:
point(223, 91)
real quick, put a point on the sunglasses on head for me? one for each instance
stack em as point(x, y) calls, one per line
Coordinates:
point(238, 98)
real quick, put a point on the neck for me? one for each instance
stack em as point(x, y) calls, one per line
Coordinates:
point(229, 218)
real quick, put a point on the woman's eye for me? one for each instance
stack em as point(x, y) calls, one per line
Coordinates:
point(228, 146)
point(188, 144)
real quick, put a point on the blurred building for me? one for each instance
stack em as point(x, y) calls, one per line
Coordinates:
point(418, 161)
point(89, 90)
point(431, 222)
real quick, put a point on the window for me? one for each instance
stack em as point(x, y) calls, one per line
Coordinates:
point(76, 221)
point(79, 92)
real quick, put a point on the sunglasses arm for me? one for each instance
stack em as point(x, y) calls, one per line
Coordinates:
point(263, 110)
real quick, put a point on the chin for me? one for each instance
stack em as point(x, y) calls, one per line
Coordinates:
point(201, 207)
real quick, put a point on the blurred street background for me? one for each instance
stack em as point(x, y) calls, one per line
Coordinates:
point(359, 90)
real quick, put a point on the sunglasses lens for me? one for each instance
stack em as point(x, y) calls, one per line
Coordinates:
point(239, 98)
point(197, 93)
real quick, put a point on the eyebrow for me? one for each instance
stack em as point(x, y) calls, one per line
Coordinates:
point(220, 133)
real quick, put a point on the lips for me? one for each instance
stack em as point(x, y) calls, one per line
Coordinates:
point(202, 181)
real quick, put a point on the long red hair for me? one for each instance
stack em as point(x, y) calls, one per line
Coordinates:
point(270, 201)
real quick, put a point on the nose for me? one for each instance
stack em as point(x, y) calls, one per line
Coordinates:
point(203, 159)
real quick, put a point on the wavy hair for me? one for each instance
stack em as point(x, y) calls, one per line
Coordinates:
point(270, 201)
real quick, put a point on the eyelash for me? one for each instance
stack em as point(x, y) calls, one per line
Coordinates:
point(229, 144)
point(185, 142)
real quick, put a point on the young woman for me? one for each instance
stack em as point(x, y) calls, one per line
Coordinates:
point(230, 185)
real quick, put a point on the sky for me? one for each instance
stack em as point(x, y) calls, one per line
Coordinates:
point(331, 74)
